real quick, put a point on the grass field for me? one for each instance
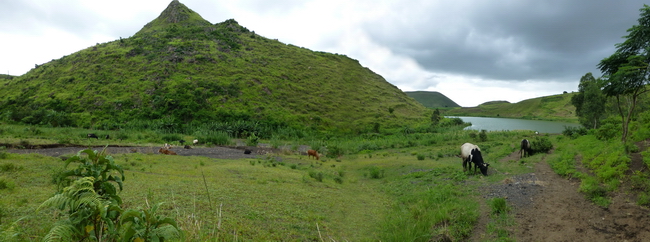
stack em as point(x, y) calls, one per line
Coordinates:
point(410, 187)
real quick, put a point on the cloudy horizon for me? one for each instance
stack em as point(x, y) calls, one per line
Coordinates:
point(472, 51)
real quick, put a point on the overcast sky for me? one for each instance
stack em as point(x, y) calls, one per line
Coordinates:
point(473, 51)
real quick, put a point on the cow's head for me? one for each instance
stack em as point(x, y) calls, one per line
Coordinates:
point(484, 167)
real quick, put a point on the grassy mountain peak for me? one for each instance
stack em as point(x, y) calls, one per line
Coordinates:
point(181, 71)
point(176, 14)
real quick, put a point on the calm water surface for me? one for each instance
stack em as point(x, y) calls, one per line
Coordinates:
point(499, 124)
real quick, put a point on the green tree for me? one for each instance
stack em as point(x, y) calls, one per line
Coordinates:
point(435, 117)
point(625, 73)
point(589, 102)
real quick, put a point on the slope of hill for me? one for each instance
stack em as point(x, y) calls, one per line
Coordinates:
point(555, 107)
point(432, 99)
point(179, 69)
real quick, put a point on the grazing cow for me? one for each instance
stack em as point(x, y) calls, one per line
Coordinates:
point(187, 147)
point(247, 151)
point(525, 148)
point(470, 153)
point(181, 141)
point(313, 153)
point(195, 142)
point(166, 151)
point(108, 137)
point(93, 136)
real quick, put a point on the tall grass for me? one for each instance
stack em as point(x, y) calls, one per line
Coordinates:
point(443, 213)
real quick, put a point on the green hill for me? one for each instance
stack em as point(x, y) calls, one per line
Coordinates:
point(555, 107)
point(180, 70)
point(432, 99)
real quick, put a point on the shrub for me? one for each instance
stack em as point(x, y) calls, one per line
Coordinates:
point(316, 175)
point(608, 131)
point(421, 156)
point(541, 145)
point(376, 172)
point(483, 135)
point(252, 140)
point(574, 132)
point(334, 151)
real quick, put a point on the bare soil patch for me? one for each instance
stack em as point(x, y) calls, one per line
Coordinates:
point(212, 152)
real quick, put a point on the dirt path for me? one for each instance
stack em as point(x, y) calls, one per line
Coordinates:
point(212, 152)
point(548, 207)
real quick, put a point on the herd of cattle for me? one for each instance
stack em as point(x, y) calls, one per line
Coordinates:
point(470, 153)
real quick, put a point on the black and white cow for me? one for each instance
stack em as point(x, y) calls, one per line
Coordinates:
point(525, 148)
point(470, 153)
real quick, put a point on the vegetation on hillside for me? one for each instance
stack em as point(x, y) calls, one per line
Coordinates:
point(615, 115)
point(432, 99)
point(180, 72)
point(554, 108)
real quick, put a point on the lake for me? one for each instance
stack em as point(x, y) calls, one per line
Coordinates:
point(499, 124)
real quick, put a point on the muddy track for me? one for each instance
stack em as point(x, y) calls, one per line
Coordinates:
point(548, 207)
point(212, 152)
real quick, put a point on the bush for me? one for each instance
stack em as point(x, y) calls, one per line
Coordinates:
point(483, 135)
point(376, 172)
point(420, 156)
point(574, 132)
point(334, 151)
point(252, 140)
point(316, 175)
point(608, 131)
point(541, 145)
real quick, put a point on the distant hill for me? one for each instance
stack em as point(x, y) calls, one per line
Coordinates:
point(181, 70)
point(494, 102)
point(432, 99)
point(555, 107)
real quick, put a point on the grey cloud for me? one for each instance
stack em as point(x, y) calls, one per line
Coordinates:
point(511, 40)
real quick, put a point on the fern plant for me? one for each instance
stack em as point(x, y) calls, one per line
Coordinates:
point(92, 209)
point(146, 225)
point(98, 165)
point(87, 215)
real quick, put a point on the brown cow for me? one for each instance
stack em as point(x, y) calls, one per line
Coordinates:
point(313, 153)
point(166, 151)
